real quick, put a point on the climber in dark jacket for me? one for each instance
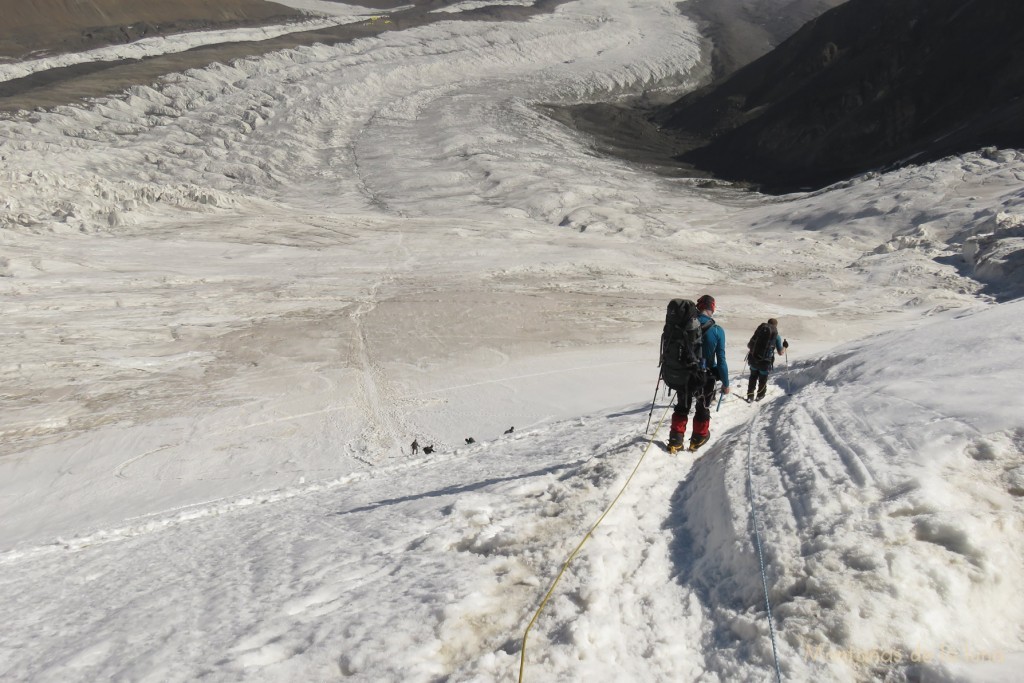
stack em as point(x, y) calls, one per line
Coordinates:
point(762, 348)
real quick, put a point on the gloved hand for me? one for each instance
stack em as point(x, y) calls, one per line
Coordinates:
point(785, 343)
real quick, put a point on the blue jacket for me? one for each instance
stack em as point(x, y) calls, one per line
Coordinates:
point(714, 350)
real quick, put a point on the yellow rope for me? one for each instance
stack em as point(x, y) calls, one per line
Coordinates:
point(572, 555)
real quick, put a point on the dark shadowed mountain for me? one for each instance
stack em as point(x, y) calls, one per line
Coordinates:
point(735, 33)
point(869, 84)
point(740, 31)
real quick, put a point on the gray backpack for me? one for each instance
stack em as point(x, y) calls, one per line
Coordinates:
point(682, 344)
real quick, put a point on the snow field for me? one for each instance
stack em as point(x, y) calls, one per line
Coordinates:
point(292, 558)
point(235, 296)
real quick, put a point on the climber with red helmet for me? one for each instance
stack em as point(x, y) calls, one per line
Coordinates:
point(702, 385)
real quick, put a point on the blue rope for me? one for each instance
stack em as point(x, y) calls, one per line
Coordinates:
point(760, 553)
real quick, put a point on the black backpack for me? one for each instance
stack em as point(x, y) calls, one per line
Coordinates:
point(682, 344)
point(762, 345)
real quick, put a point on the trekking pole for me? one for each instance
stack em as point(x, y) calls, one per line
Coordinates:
point(789, 380)
point(657, 385)
point(720, 397)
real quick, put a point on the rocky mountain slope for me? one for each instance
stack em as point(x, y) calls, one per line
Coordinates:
point(870, 84)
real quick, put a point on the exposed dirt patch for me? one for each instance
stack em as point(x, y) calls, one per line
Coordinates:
point(55, 26)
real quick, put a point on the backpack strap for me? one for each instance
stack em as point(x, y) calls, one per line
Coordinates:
point(704, 329)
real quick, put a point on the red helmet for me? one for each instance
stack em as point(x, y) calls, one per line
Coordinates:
point(706, 303)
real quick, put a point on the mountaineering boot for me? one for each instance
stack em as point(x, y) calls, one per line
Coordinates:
point(761, 393)
point(701, 434)
point(750, 397)
point(677, 435)
point(675, 442)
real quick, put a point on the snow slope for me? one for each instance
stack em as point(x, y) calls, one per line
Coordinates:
point(233, 298)
point(884, 509)
point(889, 485)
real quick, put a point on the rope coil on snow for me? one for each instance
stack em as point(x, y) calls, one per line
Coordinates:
point(760, 553)
point(572, 555)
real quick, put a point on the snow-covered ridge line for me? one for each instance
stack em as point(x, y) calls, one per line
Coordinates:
point(478, 4)
point(162, 45)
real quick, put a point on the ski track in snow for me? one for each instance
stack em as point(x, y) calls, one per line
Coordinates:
point(235, 295)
